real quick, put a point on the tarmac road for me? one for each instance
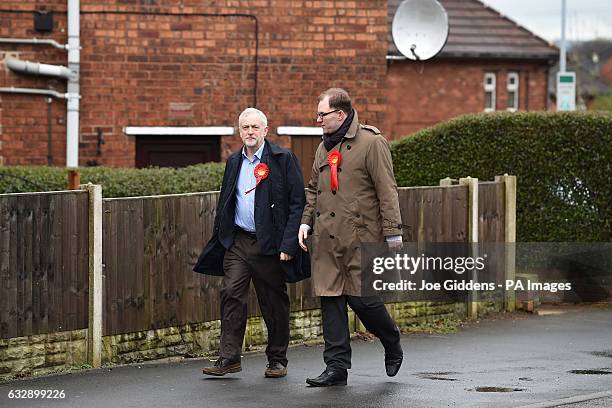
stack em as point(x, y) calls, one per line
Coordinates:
point(508, 362)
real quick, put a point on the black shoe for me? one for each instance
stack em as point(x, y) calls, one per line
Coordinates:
point(393, 360)
point(275, 370)
point(223, 366)
point(328, 378)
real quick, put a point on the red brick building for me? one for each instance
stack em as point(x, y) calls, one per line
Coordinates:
point(488, 63)
point(162, 81)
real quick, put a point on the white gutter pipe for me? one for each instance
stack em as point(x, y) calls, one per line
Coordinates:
point(34, 41)
point(36, 68)
point(395, 57)
point(30, 91)
point(71, 73)
point(74, 58)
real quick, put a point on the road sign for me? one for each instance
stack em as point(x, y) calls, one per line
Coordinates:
point(566, 91)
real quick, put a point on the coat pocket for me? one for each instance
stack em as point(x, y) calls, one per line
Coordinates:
point(354, 215)
point(364, 229)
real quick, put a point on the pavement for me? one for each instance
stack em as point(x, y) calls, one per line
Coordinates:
point(558, 359)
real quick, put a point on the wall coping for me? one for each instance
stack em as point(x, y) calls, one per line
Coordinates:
point(179, 130)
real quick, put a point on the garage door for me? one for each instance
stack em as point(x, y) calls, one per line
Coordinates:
point(176, 151)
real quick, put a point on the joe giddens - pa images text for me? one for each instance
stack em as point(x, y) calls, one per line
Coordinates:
point(459, 266)
point(455, 285)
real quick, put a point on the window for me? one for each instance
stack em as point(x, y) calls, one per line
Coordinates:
point(489, 88)
point(512, 85)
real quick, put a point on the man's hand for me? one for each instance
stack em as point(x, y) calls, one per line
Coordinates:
point(285, 257)
point(302, 235)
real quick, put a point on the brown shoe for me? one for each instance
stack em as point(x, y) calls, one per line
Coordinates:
point(275, 370)
point(223, 366)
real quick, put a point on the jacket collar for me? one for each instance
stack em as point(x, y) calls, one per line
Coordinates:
point(235, 159)
point(352, 131)
point(272, 148)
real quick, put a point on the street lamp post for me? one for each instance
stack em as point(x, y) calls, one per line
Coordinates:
point(562, 55)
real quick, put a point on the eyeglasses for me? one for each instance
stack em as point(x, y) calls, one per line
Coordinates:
point(321, 115)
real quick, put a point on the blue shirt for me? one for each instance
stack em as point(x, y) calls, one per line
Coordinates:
point(245, 203)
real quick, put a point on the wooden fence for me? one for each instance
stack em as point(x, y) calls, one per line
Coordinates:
point(151, 243)
point(43, 263)
point(150, 246)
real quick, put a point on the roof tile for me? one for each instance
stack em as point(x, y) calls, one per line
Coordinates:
point(476, 30)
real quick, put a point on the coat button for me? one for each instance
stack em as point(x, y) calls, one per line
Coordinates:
point(333, 214)
point(331, 236)
point(348, 147)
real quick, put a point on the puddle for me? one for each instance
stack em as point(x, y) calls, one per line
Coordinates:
point(496, 389)
point(438, 376)
point(550, 312)
point(605, 353)
point(592, 371)
point(431, 377)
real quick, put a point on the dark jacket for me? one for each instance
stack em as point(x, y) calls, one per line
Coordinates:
point(279, 202)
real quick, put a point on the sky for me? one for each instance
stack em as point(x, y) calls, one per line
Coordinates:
point(585, 19)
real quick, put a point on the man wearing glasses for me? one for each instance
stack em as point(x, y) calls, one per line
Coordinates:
point(254, 238)
point(351, 199)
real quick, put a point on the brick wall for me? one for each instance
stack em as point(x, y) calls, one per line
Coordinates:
point(166, 63)
point(24, 118)
point(423, 94)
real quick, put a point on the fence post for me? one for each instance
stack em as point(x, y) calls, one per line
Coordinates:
point(509, 236)
point(94, 328)
point(472, 184)
point(446, 182)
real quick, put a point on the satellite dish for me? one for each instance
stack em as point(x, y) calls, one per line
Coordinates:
point(420, 29)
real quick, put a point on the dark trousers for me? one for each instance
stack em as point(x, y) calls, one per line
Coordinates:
point(243, 262)
point(372, 313)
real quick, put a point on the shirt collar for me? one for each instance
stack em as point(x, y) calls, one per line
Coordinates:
point(257, 155)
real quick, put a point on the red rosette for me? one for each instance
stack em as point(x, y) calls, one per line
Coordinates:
point(334, 158)
point(261, 173)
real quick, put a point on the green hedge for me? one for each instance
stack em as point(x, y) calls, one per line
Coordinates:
point(116, 182)
point(561, 160)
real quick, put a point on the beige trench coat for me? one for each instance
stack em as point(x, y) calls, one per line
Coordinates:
point(364, 209)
